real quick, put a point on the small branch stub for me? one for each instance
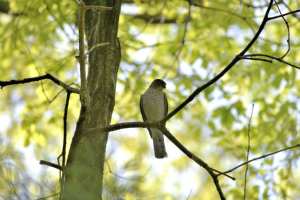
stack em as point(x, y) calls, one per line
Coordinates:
point(50, 164)
point(39, 78)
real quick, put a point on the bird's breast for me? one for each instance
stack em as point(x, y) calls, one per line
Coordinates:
point(153, 104)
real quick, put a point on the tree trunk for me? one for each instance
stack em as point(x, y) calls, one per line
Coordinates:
point(84, 169)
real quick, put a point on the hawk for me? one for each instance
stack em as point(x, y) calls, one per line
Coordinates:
point(154, 107)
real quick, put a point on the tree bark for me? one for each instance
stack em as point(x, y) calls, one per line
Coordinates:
point(84, 169)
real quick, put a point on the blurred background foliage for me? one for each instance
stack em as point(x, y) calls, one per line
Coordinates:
point(159, 39)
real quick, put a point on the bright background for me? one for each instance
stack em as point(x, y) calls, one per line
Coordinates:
point(38, 36)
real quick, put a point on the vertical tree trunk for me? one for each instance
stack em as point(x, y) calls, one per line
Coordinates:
point(84, 169)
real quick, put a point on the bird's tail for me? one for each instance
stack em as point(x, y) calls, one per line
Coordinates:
point(159, 146)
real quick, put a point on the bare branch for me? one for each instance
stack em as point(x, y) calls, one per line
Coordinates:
point(268, 56)
point(119, 126)
point(186, 151)
point(178, 51)
point(195, 158)
point(231, 64)
point(157, 124)
point(258, 158)
point(189, 194)
point(65, 130)
point(293, 14)
point(126, 178)
point(248, 150)
point(260, 59)
point(281, 15)
point(50, 101)
point(38, 78)
point(288, 29)
point(37, 69)
point(55, 18)
point(63, 153)
point(50, 164)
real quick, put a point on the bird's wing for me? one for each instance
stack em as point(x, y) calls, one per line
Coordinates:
point(165, 105)
point(143, 113)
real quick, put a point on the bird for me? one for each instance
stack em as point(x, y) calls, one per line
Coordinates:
point(154, 107)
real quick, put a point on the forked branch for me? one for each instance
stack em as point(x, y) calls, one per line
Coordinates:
point(240, 56)
point(39, 78)
point(249, 56)
point(225, 70)
point(264, 156)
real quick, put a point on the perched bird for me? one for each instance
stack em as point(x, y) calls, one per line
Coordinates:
point(154, 107)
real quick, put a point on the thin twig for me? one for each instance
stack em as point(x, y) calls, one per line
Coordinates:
point(141, 31)
point(177, 54)
point(288, 29)
point(268, 56)
point(158, 124)
point(50, 101)
point(293, 14)
point(65, 130)
point(50, 164)
point(187, 152)
point(61, 92)
point(63, 153)
point(126, 178)
point(36, 68)
point(38, 78)
point(200, 162)
point(248, 150)
point(260, 59)
point(189, 194)
point(222, 173)
point(298, 145)
point(281, 15)
point(225, 70)
point(57, 20)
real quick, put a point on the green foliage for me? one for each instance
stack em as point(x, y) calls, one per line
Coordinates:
point(38, 36)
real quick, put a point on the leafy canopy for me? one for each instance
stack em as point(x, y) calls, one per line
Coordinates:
point(159, 39)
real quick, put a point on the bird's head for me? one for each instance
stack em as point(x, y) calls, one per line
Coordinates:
point(158, 84)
